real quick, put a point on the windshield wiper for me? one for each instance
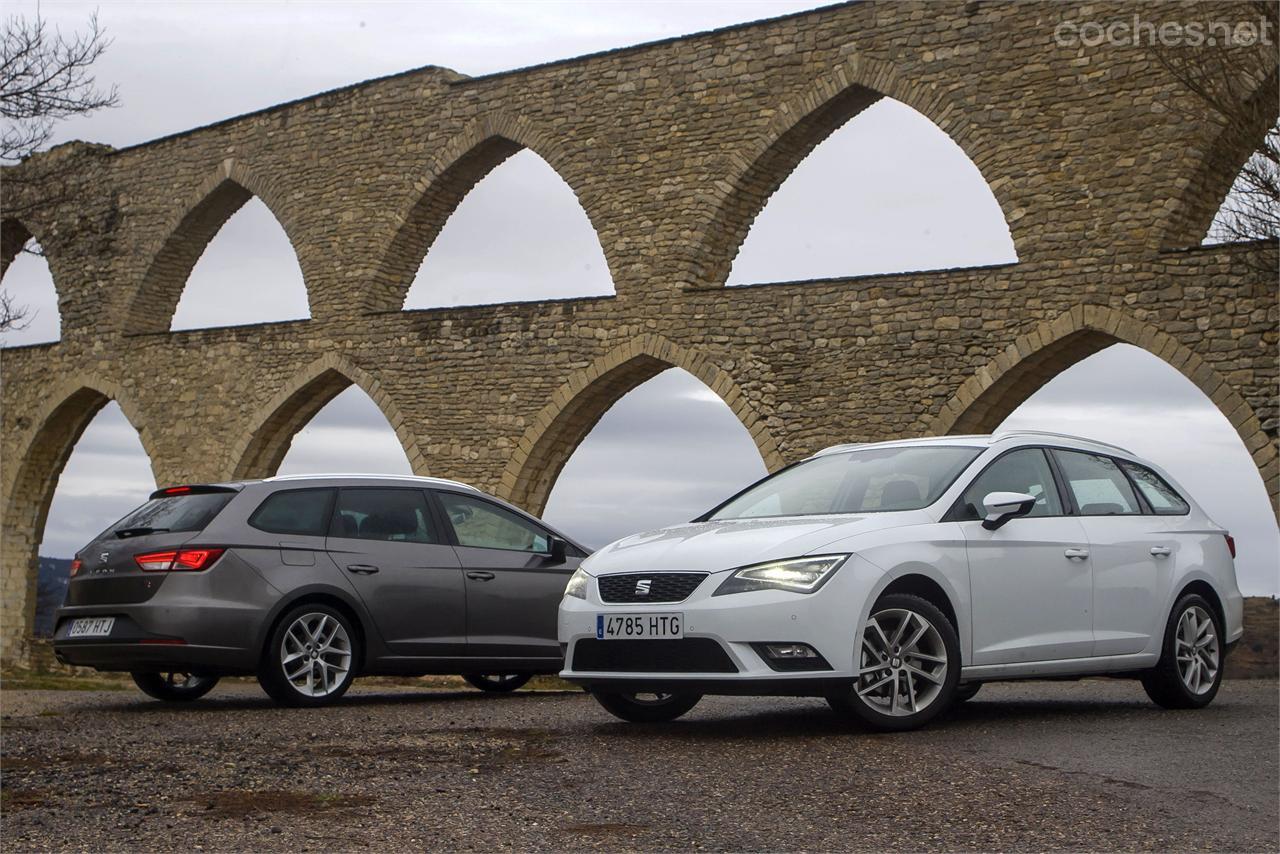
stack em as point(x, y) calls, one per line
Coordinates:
point(125, 533)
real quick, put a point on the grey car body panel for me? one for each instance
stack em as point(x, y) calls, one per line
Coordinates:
point(414, 593)
point(413, 614)
point(500, 585)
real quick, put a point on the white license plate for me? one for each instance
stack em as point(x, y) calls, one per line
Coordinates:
point(91, 627)
point(639, 626)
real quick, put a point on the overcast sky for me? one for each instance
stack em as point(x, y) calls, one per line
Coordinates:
point(888, 192)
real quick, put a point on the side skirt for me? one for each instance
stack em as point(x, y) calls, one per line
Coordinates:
point(1064, 667)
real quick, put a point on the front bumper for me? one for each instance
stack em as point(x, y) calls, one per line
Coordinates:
point(826, 620)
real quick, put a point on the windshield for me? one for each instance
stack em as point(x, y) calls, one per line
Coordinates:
point(875, 480)
point(173, 513)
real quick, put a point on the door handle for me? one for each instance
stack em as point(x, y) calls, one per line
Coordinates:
point(361, 568)
point(1161, 551)
point(480, 576)
point(1076, 554)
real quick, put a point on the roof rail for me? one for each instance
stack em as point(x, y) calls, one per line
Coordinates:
point(849, 446)
point(1005, 434)
point(336, 475)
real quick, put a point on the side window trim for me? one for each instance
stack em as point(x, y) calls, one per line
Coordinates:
point(332, 504)
point(956, 513)
point(1065, 495)
point(440, 518)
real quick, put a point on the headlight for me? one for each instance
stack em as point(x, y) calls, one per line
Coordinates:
point(799, 575)
point(577, 585)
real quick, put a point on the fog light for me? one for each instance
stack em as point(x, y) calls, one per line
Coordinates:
point(790, 650)
point(788, 657)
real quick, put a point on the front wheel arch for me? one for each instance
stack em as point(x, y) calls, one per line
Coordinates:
point(914, 584)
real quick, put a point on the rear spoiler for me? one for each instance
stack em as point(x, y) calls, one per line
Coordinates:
point(192, 489)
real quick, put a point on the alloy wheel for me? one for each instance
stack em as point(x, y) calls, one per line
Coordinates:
point(902, 664)
point(315, 654)
point(1196, 650)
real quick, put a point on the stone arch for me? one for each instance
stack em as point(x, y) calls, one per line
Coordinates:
point(196, 222)
point(985, 399)
point(1198, 197)
point(582, 401)
point(52, 435)
point(14, 235)
point(259, 453)
point(800, 124)
point(476, 151)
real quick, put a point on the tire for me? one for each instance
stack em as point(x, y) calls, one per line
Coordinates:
point(320, 647)
point(966, 692)
point(174, 687)
point(635, 708)
point(901, 686)
point(497, 683)
point(1192, 681)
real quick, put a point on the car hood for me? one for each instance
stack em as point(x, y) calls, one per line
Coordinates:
point(727, 544)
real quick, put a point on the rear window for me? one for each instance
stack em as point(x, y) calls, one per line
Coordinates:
point(175, 513)
point(301, 512)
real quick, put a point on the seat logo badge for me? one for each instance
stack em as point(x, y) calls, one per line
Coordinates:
point(104, 557)
point(642, 586)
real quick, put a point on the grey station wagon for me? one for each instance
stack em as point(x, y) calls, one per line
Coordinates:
point(310, 581)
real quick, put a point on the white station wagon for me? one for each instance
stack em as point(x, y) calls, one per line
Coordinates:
point(895, 578)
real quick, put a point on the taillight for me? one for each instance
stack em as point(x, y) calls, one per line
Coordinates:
point(1231, 545)
point(178, 560)
point(177, 490)
point(76, 566)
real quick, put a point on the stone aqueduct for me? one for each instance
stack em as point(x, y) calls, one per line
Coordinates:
point(672, 149)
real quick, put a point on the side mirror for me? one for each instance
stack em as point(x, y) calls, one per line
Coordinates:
point(1003, 506)
point(556, 549)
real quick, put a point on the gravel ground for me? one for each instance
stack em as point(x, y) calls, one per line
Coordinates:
point(1090, 765)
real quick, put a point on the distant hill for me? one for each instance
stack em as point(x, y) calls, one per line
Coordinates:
point(51, 588)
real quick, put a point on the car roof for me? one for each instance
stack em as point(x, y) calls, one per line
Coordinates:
point(1014, 437)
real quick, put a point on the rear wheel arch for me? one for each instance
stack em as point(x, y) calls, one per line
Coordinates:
point(320, 597)
point(1202, 588)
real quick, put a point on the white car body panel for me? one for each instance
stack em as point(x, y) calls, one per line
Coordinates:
point(1022, 607)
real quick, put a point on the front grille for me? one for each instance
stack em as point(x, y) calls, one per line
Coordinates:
point(689, 655)
point(661, 587)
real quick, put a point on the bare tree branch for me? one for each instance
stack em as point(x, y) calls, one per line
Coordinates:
point(46, 77)
point(1237, 85)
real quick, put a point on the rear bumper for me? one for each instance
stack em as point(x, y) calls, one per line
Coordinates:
point(153, 634)
point(137, 655)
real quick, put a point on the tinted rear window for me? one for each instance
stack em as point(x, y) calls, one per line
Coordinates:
point(301, 512)
point(176, 513)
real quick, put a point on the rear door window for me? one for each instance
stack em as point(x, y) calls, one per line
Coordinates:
point(298, 512)
point(1098, 485)
point(391, 515)
point(1160, 495)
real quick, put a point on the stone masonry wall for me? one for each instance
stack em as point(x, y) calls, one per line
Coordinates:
point(1102, 169)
